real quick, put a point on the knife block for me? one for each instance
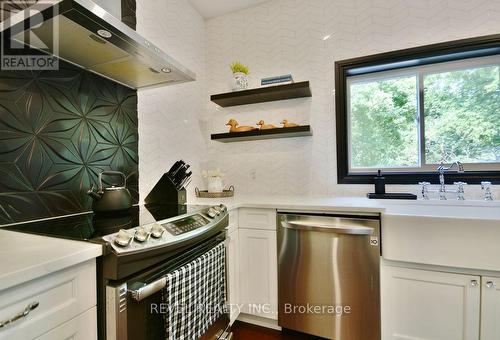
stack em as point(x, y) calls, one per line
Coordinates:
point(165, 192)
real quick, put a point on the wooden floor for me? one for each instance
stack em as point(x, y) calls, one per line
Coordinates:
point(245, 331)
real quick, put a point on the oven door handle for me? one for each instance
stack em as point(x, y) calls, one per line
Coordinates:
point(148, 290)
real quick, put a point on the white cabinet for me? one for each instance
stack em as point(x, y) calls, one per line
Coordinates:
point(82, 327)
point(429, 305)
point(233, 273)
point(490, 308)
point(251, 218)
point(258, 272)
point(258, 279)
point(59, 297)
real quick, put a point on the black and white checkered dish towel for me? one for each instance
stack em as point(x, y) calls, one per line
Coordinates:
point(195, 295)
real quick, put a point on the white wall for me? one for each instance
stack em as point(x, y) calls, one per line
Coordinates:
point(286, 36)
point(170, 127)
point(277, 37)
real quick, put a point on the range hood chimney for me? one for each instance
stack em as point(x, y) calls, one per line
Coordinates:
point(92, 38)
point(113, 7)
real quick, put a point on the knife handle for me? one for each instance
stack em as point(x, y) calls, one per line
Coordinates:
point(185, 181)
point(174, 169)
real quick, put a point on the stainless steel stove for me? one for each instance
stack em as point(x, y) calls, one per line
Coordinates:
point(140, 247)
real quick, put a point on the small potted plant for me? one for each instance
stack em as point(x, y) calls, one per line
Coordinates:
point(240, 76)
point(214, 178)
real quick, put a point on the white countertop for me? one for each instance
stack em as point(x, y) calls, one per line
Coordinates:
point(345, 204)
point(26, 257)
point(452, 208)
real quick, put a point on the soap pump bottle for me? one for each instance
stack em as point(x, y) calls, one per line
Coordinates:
point(379, 181)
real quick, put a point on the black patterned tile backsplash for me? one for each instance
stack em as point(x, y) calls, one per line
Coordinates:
point(58, 130)
point(128, 13)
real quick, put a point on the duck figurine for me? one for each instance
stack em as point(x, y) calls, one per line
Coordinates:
point(235, 128)
point(264, 126)
point(286, 124)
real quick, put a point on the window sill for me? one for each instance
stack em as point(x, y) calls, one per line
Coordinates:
point(470, 177)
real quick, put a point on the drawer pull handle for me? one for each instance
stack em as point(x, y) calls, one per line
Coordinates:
point(20, 315)
point(490, 284)
point(474, 283)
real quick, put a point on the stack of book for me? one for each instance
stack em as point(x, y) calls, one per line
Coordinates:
point(279, 80)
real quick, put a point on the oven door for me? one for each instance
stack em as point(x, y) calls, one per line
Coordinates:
point(134, 308)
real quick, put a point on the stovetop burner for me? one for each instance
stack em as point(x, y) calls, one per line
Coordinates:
point(90, 226)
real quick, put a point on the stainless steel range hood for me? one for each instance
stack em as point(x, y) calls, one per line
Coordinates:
point(90, 37)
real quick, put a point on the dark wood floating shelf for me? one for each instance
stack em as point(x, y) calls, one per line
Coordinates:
point(297, 131)
point(263, 94)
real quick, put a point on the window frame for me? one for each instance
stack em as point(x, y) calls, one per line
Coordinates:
point(405, 60)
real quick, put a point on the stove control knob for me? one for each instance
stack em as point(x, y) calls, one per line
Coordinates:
point(212, 212)
point(223, 208)
point(123, 238)
point(157, 230)
point(141, 234)
point(217, 209)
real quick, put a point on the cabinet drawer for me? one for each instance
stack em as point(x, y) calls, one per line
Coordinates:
point(82, 327)
point(257, 218)
point(60, 296)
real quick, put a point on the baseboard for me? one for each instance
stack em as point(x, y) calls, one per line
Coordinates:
point(259, 321)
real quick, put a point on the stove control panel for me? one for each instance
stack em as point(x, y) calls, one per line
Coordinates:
point(160, 233)
point(186, 224)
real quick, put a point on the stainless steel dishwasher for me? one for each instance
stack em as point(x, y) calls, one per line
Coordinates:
point(328, 275)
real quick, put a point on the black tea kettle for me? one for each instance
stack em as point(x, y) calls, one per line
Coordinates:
point(113, 198)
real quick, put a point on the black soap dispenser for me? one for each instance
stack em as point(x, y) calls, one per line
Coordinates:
point(380, 193)
point(379, 181)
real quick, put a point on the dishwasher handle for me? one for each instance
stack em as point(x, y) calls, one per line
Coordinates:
point(325, 227)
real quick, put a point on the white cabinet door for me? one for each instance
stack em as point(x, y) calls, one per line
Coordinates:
point(82, 327)
point(60, 296)
point(428, 305)
point(258, 272)
point(233, 274)
point(490, 308)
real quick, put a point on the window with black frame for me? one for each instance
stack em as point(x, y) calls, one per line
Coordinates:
point(406, 112)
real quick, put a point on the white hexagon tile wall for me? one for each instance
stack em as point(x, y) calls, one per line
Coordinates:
point(291, 36)
point(170, 125)
point(278, 37)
